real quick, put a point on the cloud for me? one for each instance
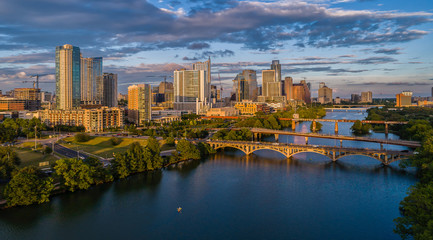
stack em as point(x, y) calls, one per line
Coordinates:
point(212, 54)
point(392, 51)
point(375, 60)
point(198, 46)
point(255, 25)
point(45, 57)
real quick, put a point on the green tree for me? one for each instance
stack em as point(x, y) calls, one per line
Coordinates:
point(74, 173)
point(417, 213)
point(359, 128)
point(9, 162)
point(187, 150)
point(258, 124)
point(169, 141)
point(82, 137)
point(115, 141)
point(274, 123)
point(153, 145)
point(28, 187)
point(318, 126)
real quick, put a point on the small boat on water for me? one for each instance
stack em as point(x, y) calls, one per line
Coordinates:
point(179, 209)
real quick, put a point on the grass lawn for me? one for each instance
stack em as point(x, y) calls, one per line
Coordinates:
point(102, 146)
point(30, 158)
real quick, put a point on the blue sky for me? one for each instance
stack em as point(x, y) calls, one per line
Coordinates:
point(352, 45)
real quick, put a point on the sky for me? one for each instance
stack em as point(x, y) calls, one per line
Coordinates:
point(352, 45)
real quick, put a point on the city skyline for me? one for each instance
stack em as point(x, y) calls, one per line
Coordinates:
point(383, 47)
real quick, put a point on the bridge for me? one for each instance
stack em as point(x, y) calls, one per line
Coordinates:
point(336, 121)
point(289, 150)
point(257, 132)
point(314, 120)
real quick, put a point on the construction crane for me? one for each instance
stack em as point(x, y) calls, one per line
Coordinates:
point(36, 83)
point(221, 86)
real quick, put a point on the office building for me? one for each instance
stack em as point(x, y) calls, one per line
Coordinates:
point(109, 89)
point(324, 94)
point(205, 66)
point(245, 86)
point(276, 66)
point(191, 90)
point(12, 104)
point(366, 97)
point(68, 68)
point(288, 88)
point(139, 103)
point(91, 81)
point(404, 99)
point(355, 98)
point(167, 90)
point(301, 92)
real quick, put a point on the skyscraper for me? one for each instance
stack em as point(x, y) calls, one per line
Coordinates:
point(139, 103)
point(277, 67)
point(288, 88)
point(190, 90)
point(271, 88)
point(110, 89)
point(92, 87)
point(205, 66)
point(245, 85)
point(404, 99)
point(68, 91)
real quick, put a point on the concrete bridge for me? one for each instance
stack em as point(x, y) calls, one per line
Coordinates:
point(257, 132)
point(289, 150)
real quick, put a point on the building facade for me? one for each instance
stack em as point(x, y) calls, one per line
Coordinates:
point(366, 97)
point(68, 74)
point(191, 90)
point(324, 94)
point(91, 81)
point(139, 103)
point(31, 95)
point(250, 108)
point(93, 120)
point(404, 99)
point(245, 85)
point(110, 90)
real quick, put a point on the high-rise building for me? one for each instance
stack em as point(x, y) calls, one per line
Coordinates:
point(355, 98)
point(205, 66)
point(277, 67)
point(109, 89)
point(92, 87)
point(68, 68)
point(245, 85)
point(367, 97)
point(288, 88)
point(301, 92)
point(139, 103)
point(167, 90)
point(191, 90)
point(324, 94)
point(271, 88)
point(404, 99)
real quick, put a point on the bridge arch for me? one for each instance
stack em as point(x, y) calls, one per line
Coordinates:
point(360, 154)
point(267, 148)
point(310, 151)
point(226, 146)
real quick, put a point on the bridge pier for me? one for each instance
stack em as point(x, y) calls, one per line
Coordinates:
point(381, 146)
point(341, 143)
point(336, 127)
point(314, 126)
point(306, 140)
point(333, 156)
point(293, 125)
point(386, 128)
point(276, 137)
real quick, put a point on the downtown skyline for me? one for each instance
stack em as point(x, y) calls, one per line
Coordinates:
point(378, 46)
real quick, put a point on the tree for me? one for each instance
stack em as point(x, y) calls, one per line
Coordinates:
point(115, 141)
point(359, 128)
point(417, 213)
point(9, 162)
point(187, 150)
point(274, 123)
point(258, 124)
point(74, 173)
point(28, 187)
point(82, 137)
point(318, 126)
point(169, 141)
point(153, 145)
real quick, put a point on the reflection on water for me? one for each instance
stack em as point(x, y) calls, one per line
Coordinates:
point(228, 196)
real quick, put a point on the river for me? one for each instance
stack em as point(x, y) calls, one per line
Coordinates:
point(232, 196)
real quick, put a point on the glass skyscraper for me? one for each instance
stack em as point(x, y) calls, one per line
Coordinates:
point(68, 69)
point(92, 86)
